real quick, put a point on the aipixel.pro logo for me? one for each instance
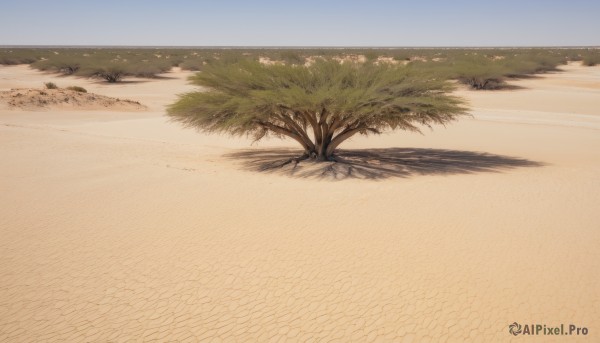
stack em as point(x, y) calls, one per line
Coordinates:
point(516, 329)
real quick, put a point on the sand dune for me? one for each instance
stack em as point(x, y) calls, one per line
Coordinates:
point(122, 226)
point(64, 99)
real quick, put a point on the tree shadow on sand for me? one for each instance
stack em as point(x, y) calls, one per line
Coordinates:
point(376, 164)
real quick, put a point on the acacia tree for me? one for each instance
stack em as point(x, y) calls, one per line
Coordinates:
point(320, 106)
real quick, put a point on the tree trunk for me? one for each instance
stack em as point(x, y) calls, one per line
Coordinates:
point(322, 150)
point(326, 135)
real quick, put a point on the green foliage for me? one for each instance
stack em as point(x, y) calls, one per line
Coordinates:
point(193, 64)
point(291, 57)
point(111, 72)
point(77, 89)
point(50, 85)
point(112, 65)
point(479, 68)
point(14, 56)
point(489, 69)
point(371, 55)
point(334, 100)
point(536, 62)
point(479, 72)
point(115, 70)
point(401, 58)
point(147, 69)
point(591, 58)
point(66, 65)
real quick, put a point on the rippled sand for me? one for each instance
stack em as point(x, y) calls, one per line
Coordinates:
point(125, 227)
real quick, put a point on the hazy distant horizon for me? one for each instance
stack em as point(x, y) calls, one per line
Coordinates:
point(287, 47)
point(334, 23)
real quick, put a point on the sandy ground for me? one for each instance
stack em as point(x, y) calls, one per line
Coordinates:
point(121, 226)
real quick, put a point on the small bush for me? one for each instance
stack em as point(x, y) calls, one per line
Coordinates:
point(591, 59)
point(111, 75)
point(50, 85)
point(147, 69)
point(478, 72)
point(482, 82)
point(77, 89)
point(291, 57)
point(371, 55)
point(115, 70)
point(193, 64)
point(14, 56)
point(62, 64)
point(111, 72)
point(401, 58)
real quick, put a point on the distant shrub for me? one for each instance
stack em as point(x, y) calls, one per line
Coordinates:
point(115, 70)
point(401, 58)
point(147, 69)
point(61, 64)
point(588, 62)
point(68, 68)
point(546, 62)
point(371, 55)
point(591, 59)
point(478, 68)
point(193, 64)
point(489, 69)
point(232, 57)
point(50, 85)
point(478, 72)
point(573, 55)
point(111, 72)
point(10, 60)
point(291, 57)
point(77, 89)
point(15, 56)
point(481, 82)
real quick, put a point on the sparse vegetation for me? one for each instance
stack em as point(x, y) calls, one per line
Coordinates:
point(65, 66)
point(319, 106)
point(591, 59)
point(111, 72)
point(50, 85)
point(479, 73)
point(193, 64)
point(292, 57)
point(77, 89)
point(14, 56)
point(478, 68)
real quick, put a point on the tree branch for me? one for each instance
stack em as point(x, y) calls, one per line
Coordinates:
point(312, 120)
point(298, 130)
point(342, 136)
point(283, 131)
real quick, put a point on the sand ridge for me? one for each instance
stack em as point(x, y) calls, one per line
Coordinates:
point(64, 99)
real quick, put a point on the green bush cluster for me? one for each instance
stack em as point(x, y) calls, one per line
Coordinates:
point(50, 85)
point(485, 71)
point(15, 56)
point(591, 58)
point(111, 65)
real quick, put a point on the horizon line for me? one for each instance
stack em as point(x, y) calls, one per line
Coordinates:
point(304, 46)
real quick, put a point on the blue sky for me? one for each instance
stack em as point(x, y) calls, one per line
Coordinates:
point(301, 23)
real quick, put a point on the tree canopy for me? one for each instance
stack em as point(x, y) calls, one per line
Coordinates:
point(319, 106)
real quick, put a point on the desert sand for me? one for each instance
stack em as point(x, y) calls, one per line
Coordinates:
point(121, 226)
